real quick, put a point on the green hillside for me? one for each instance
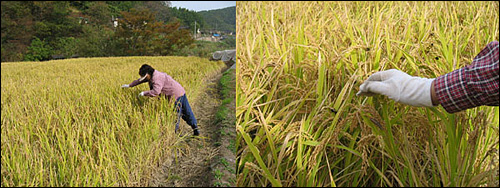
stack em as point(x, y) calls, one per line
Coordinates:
point(220, 19)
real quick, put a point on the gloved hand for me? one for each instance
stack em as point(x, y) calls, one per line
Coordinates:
point(125, 86)
point(141, 94)
point(399, 86)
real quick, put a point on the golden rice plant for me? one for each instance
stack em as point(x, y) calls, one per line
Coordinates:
point(299, 122)
point(69, 122)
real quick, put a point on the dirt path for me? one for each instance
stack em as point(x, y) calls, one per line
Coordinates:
point(203, 161)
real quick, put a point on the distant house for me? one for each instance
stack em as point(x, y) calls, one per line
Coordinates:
point(114, 21)
point(214, 35)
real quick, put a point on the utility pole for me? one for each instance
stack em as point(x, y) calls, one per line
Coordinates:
point(195, 29)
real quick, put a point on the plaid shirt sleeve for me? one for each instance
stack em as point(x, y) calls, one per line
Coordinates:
point(473, 85)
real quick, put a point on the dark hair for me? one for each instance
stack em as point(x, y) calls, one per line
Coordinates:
point(145, 68)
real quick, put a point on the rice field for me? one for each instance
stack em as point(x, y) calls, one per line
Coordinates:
point(69, 122)
point(299, 122)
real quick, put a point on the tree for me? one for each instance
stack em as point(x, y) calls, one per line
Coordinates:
point(36, 30)
point(135, 31)
point(99, 13)
point(140, 34)
point(17, 29)
point(97, 43)
point(38, 51)
point(171, 39)
point(161, 9)
point(54, 16)
point(118, 6)
point(187, 17)
point(220, 19)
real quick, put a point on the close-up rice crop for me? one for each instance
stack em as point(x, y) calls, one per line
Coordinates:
point(69, 122)
point(300, 123)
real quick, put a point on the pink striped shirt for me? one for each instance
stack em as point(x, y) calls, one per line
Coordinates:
point(162, 83)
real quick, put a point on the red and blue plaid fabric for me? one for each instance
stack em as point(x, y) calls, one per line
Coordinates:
point(473, 85)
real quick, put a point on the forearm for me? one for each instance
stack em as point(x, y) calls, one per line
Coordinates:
point(434, 99)
point(155, 91)
point(135, 82)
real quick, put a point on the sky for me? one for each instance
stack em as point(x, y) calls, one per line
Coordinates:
point(203, 5)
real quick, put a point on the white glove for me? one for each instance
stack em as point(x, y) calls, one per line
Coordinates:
point(141, 94)
point(399, 86)
point(125, 86)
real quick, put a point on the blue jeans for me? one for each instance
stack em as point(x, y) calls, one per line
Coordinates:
point(184, 111)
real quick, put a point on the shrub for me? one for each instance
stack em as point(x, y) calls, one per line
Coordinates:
point(38, 51)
